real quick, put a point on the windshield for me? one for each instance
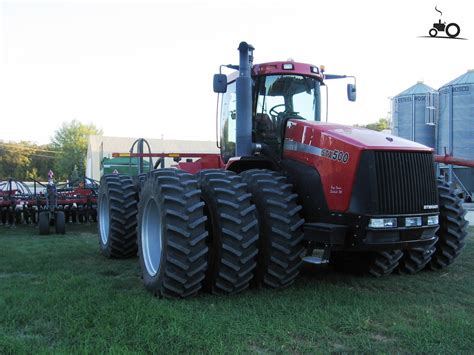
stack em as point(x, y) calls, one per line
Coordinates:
point(293, 95)
point(280, 97)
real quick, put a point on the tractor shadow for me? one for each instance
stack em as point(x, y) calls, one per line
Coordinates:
point(444, 37)
point(320, 272)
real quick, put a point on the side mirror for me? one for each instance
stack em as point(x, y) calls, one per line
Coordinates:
point(220, 83)
point(351, 92)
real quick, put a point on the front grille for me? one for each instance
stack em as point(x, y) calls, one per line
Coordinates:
point(405, 182)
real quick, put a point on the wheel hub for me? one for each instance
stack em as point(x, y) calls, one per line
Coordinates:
point(151, 237)
point(104, 219)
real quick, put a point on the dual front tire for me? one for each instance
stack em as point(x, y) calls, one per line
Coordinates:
point(219, 231)
point(171, 234)
point(233, 231)
point(216, 230)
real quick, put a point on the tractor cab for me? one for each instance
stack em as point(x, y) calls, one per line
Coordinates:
point(281, 97)
point(277, 96)
point(279, 91)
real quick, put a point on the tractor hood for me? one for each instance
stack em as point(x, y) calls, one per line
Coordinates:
point(335, 150)
point(322, 133)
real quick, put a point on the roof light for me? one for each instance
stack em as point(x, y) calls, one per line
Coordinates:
point(315, 70)
point(288, 66)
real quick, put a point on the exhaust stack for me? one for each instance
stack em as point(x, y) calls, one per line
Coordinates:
point(244, 101)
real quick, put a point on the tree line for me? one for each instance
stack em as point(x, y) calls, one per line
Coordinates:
point(380, 125)
point(65, 154)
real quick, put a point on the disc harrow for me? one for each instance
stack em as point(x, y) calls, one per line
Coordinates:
point(22, 203)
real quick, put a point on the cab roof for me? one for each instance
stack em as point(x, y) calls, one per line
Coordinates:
point(288, 67)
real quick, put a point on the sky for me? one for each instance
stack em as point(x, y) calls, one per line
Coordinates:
point(144, 68)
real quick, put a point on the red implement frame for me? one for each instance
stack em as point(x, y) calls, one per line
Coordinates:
point(450, 160)
point(205, 161)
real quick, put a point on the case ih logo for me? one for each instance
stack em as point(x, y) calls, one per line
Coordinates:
point(451, 30)
point(336, 155)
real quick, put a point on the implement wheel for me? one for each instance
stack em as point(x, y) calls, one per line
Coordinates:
point(73, 212)
point(18, 216)
point(171, 234)
point(60, 222)
point(11, 215)
point(452, 228)
point(233, 231)
point(3, 215)
point(117, 216)
point(34, 215)
point(43, 223)
point(26, 215)
point(281, 234)
point(81, 216)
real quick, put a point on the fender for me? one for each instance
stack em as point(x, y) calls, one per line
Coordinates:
point(239, 164)
point(307, 184)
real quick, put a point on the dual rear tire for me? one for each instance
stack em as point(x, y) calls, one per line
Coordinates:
point(117, 216)
point(452, 228)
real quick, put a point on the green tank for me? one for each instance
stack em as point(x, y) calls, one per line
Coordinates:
point(123, 165)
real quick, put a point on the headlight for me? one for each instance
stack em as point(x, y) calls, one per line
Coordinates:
point(432, 220)
point(383, 223)
point(413, 222)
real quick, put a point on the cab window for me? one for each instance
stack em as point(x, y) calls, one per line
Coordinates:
point(228, 122)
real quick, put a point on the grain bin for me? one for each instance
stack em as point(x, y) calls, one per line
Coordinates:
point(411, 119)
point(456, 125)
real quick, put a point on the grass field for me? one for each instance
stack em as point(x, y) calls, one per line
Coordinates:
point(57, 294)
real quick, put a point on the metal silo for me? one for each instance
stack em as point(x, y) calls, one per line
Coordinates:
point(412, 115)
point(456, 126)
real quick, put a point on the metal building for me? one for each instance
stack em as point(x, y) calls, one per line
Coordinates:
point(414, 114)
point(456, 126)
point(100, 147)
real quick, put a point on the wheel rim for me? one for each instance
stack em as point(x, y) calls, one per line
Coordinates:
point(151, 237)
point(104, 219)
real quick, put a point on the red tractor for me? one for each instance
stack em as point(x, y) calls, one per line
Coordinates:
point(284, 187)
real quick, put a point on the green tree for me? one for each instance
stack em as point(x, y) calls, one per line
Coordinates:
point(70, 142)
point(380, 125)
point(14, 161)
point(41, 160)
point(25, 160)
